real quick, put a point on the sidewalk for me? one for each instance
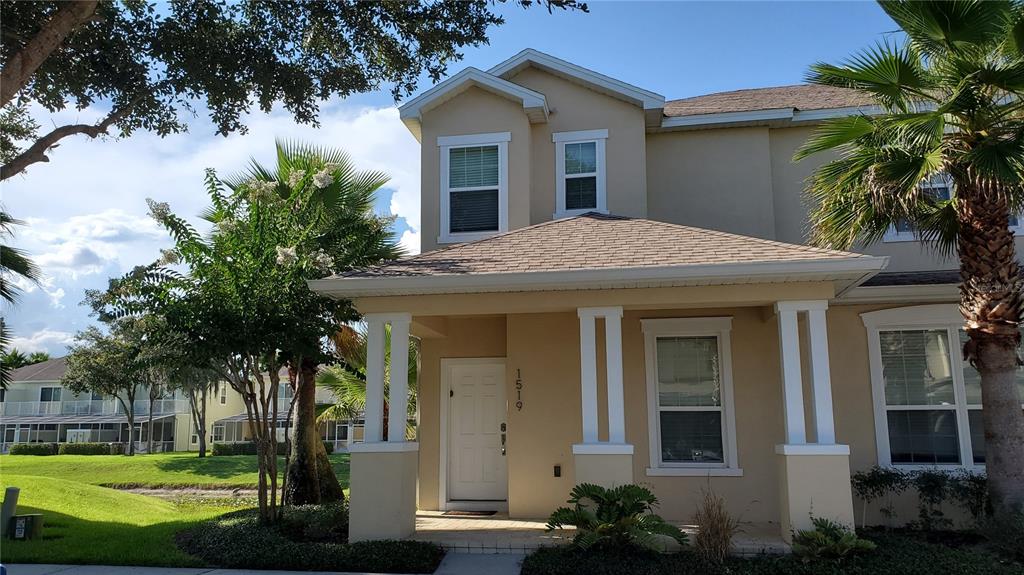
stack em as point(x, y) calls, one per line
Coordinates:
point(453, 564)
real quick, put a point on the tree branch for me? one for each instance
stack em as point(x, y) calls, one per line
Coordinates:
point(37, 152)
point(19, 69)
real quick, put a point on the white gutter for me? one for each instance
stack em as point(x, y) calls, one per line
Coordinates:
point(852, 271)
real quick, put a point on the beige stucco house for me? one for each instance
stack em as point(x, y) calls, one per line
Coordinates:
point(616, 288)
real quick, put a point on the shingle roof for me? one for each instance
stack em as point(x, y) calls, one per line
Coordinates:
point(596, 241)
point(49, 370)
point(800, 97)
point(938, 277)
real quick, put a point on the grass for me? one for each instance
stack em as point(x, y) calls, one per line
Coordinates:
point(157, 470)
point(87, 522)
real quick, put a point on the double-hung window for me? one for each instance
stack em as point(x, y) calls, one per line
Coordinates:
point(47, 394)
point(690, 398)
point(223, 393)
point(474, 186)
point(927, 399)
point(938, 187)
point(580, 172)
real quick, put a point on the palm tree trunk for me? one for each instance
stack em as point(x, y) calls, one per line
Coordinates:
point(991, 303)
point(310, 477)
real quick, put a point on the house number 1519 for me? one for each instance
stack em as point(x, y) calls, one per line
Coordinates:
point(519, 390)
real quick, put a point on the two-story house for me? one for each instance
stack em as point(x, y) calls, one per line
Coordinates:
point(615, 288)
point(36, 408)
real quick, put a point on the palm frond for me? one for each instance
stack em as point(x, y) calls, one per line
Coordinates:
point(938, 27)
point(894, 76)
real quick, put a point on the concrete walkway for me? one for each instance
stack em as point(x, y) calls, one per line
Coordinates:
point(453, 564)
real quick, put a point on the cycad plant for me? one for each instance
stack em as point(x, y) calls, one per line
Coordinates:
point(617, 517)
point(950, 107)
point(347, 379)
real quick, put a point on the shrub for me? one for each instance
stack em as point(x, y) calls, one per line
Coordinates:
point(932, 489)
point(238, 541)
point(970, 491)
point(329, 447)
point(33, 449)
point(325, 523)
point(85, 449)
point(715, 529)
point(1005, 534)
point(243, 448)
point(620, 517)
point(828, 540)
point(876, 483)
point(117, 448)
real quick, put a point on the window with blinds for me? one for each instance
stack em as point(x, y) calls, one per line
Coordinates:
point(473, 186)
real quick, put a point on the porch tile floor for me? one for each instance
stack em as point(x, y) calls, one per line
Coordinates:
point(501, 534)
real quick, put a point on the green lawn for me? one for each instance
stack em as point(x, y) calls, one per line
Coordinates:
point(87, 523)
point(157, 470)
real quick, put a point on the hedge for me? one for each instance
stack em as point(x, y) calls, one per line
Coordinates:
point(33, 449)
point(307, 538)
point(90, 449)
point(329, 446)
point(245, 448)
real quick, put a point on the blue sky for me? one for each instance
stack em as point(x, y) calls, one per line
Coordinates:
point(86, 208)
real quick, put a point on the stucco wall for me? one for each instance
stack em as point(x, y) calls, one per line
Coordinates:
point(573, 108)
point(474, 111)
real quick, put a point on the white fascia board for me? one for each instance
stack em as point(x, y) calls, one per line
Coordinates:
point(845, 269)
point(828, 114)
point(727, 118)
point(644, 98)
point(534, 103)
point(902, 293)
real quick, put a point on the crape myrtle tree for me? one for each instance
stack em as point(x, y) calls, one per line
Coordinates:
point(951, 106)
point(147, 65)
point(244, 299)
point(110, 364)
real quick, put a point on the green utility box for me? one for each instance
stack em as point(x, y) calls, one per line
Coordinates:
point(28, 526)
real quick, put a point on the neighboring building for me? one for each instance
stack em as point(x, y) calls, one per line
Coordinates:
point(615, 288)
point(36, 408)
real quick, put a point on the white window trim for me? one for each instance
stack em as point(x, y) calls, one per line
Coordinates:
point(720, 327)
point(598, 137)
point(51, 400)
point(937, 316)
point(446, 144)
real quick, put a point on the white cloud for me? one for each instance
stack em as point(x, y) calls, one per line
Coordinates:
point(410, 241)
point(86, 210)
point(47, 340)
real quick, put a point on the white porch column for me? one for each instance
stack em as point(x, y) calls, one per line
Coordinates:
point(613, 359)
point(373, 431)
point(821, 380)
point(815, 477)
point(399, 400)
point(792, 384)
point(588, 374)
point(383, 474)
point(610, 462)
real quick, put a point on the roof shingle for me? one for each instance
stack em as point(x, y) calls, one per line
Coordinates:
point(596, 241)
point(799, 97)
point(49, 370)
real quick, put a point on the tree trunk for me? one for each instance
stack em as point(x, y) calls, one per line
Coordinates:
point(201, 416)
point(991, 303)
point(24, 63)
point(149, 424)
point(310, 477)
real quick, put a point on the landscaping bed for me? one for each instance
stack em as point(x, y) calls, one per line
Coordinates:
point(310, 538)
point(897, 553)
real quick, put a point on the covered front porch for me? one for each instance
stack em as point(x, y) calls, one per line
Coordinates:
point(682, 378)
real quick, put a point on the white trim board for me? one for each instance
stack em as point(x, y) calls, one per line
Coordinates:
point(442, 470)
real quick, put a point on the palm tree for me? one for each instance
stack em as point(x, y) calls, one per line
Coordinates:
point(347, 380)
point(13, 262)
point(951, 106)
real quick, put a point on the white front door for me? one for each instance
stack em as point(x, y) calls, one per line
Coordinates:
point(477, 469)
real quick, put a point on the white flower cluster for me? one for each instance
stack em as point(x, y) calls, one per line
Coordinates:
point(323, 178)
point(295, 178)
point(322, 261)
point(227, 225)
point(263, 191)
point(286, 256)
point(158, 210)
point(168, 258)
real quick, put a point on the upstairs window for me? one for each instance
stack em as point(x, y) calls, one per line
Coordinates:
point(580, 172)
point(47, 394)
point(474, 186)
point(939, 187)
